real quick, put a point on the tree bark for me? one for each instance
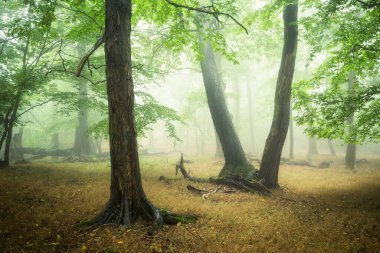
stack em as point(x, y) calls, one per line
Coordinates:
point(351, 147)
point(127, 200)
point(235, 161)
point(273, 147)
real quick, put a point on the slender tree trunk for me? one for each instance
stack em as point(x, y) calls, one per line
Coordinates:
point(55, 141)
point(331, 148)
point(5, 127)
point(17, 145)
point(235, 161)
point(273, 147)
point(351, 147)
point(291, 136)
point(127, 200)
point(312, 147)
point(250, 115)
point(82, 144)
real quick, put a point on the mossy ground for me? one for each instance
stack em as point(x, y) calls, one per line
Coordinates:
point(331, 210)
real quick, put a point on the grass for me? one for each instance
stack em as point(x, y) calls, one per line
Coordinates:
point(331, 210)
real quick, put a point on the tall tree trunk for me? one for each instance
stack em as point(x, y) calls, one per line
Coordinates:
point(218, 64)
point(332, 151)
point(273, 147)
point(127, 199)
point(351, 147)
point(82, 144)
point(235, 161)
point(291, 136)
point(250, 115)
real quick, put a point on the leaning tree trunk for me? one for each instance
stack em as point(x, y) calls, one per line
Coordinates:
point(218, 64)
point(351, 147)
point(291, 136)
point(235, 161)
point(127, 199)
point(273, 147)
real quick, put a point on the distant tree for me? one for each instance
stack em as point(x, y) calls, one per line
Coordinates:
point(273, 147)
point(27, 40)
point(313, 150)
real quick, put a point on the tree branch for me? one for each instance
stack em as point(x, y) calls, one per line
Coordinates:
point(368, 5)
point(85, 58)
point(202, 10)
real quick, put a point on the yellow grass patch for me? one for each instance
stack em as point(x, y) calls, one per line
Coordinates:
point(330, 210)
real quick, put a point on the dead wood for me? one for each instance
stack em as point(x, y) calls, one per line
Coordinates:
point(232, 181)
point(196, 190)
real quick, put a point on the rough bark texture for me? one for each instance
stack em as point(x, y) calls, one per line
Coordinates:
point(235, 160)
point(127, 200)
point(273, 147)
point(351, 147)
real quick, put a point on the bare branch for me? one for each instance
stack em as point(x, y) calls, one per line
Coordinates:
point(85, 58)
point(202, 10)
point(32, 107)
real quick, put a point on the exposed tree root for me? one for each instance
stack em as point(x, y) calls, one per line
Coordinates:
point(232, 181)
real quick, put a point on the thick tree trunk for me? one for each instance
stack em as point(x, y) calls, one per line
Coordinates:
point(235, 160)
point(331, 147)
point(127, 199)
point(351, 147)
point(291, 136)
point(250, 116)
point(273, 147)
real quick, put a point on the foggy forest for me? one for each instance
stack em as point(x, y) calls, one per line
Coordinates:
point(189, 126)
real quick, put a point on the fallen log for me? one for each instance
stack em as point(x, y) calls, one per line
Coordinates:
point(232, 181)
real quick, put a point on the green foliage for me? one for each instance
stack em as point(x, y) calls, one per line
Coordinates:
point(345, 32)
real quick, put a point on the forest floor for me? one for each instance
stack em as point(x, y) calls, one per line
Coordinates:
point(316, 210)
